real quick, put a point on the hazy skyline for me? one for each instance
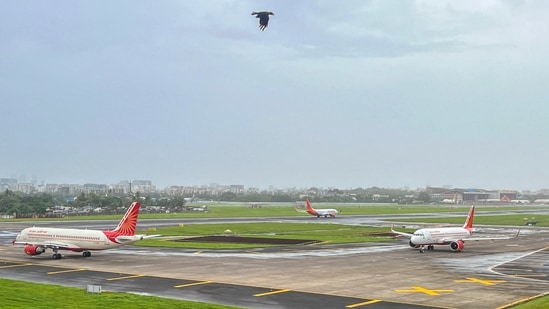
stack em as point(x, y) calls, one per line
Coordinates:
point(332, 94)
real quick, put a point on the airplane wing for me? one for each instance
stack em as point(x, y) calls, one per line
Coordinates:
point(151, 236)
point(407, 235)
point(48, 244)
point(483, 238)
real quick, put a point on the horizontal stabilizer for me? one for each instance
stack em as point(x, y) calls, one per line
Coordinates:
point(151, 236)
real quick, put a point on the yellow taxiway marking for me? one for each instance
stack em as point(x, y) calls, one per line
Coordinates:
point(16, 265)
point(126, 277)
point(419, 289)
point(373, 301)
point(272, 292)
point(481, 281)
point(65, 271)
point(191, 284)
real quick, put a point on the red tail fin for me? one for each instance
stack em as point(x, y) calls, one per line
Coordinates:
point(310, 208)
point(128, 223)
point(469, 221)
point(308, 203)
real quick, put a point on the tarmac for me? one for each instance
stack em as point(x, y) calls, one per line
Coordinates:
point(486, 274)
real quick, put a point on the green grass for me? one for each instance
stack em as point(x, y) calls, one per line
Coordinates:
point(20, 294)
point(286, 210)
point(325, 232)
point(541, 302)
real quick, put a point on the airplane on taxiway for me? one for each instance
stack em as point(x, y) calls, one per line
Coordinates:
point(37, 239)
point(453, 236)
point(320, 212)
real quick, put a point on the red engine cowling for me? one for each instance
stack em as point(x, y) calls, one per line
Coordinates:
point(34, 250)
point(456, 246)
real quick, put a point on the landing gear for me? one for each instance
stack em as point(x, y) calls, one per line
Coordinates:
point(86, 254)
point(56, 255)
point(430, 247)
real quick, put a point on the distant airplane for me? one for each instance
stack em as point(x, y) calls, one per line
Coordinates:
point(263, 19)
point(320, 212)
point(37, 239)
point(453, 236)
point(451, 201)
point(189, 199)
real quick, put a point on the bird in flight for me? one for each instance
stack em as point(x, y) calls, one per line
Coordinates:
point(263, 18)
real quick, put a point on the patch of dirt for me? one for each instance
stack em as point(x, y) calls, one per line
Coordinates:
point(249, 240)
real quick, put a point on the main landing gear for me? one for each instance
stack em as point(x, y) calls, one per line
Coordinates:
point(56, 255)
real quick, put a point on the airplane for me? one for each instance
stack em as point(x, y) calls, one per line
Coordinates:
point(320, 212)
point(37, 239)
point(453, 236)
point(450, 201)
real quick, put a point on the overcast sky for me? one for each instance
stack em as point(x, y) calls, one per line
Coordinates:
point(333, 93)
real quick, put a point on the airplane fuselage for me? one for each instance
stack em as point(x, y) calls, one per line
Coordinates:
point(323, 212)
point(79, 240)
point(440, 236)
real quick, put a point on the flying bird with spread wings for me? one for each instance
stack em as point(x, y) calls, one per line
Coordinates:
point(263, 18)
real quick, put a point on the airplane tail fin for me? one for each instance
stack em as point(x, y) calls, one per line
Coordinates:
point(309, 206)
point(127, 225)
point(469, 221)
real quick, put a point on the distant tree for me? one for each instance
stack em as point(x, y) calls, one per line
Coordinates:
point(228, 196)
point(424, 197)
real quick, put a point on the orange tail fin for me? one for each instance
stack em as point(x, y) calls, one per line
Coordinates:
point(469, 221)
point(128, 223)
point(310, 208)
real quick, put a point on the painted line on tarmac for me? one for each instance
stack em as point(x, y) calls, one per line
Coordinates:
point(420, 289)
point(481, 281)
point(16, 265)
point(373, 301)
point(65, 271)
point(125, 277)
point(272, 292)
point(191, 284)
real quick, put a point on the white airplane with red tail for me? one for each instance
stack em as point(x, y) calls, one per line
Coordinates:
point(453, 236)
point(37, 239)
point(320, 212)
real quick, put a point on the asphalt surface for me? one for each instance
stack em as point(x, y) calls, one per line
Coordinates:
point(487, 274)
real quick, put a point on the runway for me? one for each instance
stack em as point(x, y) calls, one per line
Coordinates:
point(390, 275)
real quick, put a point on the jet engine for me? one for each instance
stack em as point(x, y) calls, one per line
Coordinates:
point(34, 250)
point(413, 245)
point(456, 246)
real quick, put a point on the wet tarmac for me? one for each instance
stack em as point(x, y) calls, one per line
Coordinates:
point(487, 274)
